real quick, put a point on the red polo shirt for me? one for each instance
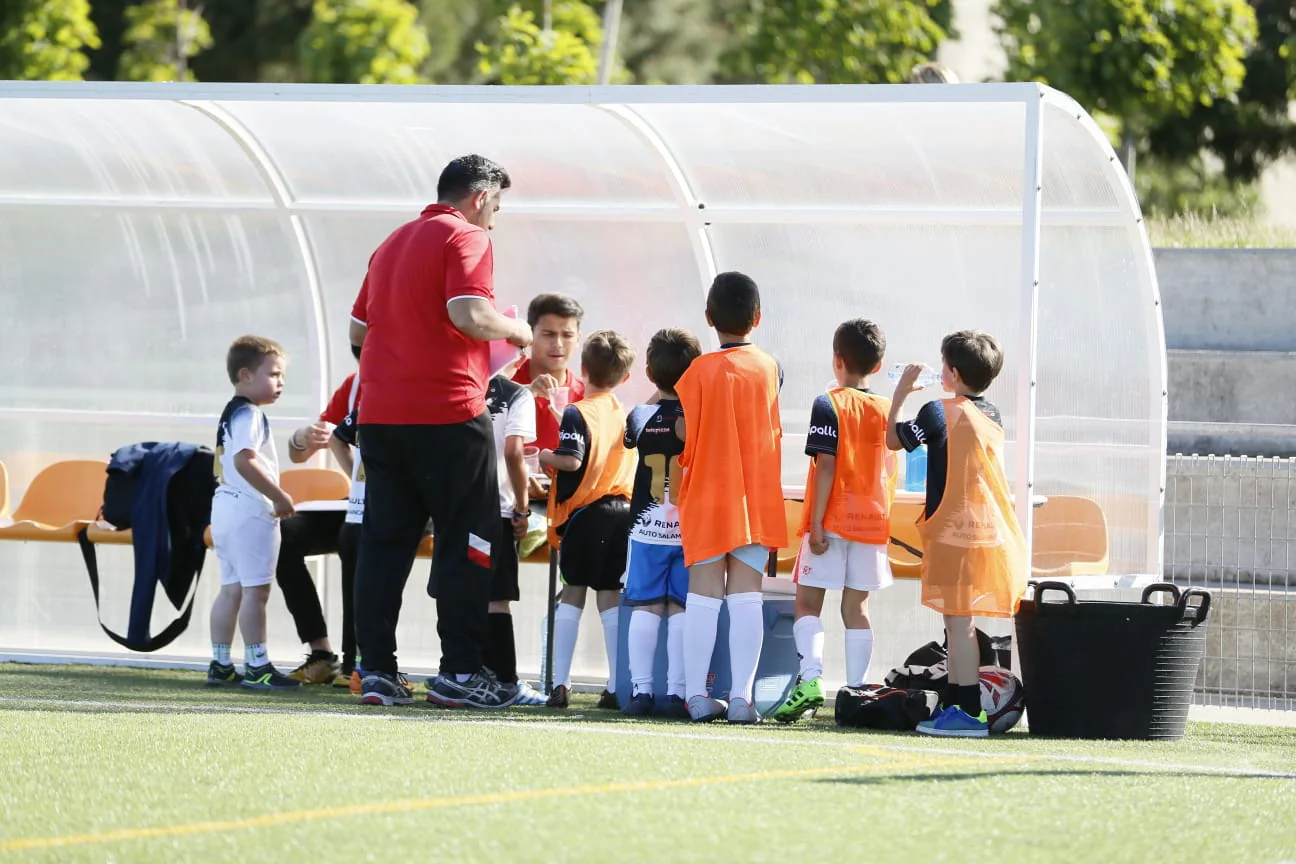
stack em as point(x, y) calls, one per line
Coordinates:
point(416, 366)
point(546, 425)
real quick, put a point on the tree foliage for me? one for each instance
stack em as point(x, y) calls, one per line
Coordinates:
point(161, 38)
point(830, 41)
point(45, 40)
point(1140, 60)
point(525, 53)
point(363, 42)
point(1248, 133)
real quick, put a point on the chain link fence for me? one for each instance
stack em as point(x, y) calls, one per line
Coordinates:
point(1229, 528)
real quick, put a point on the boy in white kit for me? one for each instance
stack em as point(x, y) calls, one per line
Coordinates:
point(245, 511)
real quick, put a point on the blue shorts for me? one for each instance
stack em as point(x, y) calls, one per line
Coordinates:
point(655, 574)
point(753, 555)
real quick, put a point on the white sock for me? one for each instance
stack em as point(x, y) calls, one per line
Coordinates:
point(701, 618)
point(221, 653)
point(859, 650)
point(641, 642)
point(611, 624)
point(746, 633)
point(566, 629)
point(256, 654)
point(675, 655)
point(808, 633)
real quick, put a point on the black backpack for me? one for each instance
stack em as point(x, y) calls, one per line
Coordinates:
point(877, 707)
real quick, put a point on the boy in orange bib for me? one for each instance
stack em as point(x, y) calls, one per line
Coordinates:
point(974, 554)
point(846, 517)
point(589, 507)
point(730, 496)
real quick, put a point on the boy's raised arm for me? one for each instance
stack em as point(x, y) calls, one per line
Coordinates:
point(907, 384)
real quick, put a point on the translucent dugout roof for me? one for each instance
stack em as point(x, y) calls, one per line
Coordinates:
point(142, 227)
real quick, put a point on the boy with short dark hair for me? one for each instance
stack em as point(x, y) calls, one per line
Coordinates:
point(974, 554)
point(656, 576)
point(246, 507)
point(846, 516)
point(589, 507)
point(730, 496)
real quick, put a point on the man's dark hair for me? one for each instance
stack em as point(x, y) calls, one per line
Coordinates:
point(468, 175)
point(670, 352)
point(606, 358)
point(975, 356)
point(733, 303)
point(860, 344)
point(553, 304)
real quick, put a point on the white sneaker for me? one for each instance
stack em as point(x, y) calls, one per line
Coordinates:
point(528, 696)
point(743, 712)
point(704, 709)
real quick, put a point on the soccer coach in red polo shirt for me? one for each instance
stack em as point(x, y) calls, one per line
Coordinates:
point(425, 315)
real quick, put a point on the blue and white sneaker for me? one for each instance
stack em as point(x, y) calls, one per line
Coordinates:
point(529, 697)
point(953, 722)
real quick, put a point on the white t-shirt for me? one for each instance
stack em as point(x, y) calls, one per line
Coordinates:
point(243, 426)
point(513, 412)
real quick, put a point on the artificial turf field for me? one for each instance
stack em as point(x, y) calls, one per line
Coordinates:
point(108, 764)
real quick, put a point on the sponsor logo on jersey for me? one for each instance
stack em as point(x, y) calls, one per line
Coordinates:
point(826, 431)
point(570, 436)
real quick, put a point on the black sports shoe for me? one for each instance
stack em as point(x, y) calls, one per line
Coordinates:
point(675, 708)
point(267, 678)
point(640, 705)
point(608, 701)
point(379, 688)
point(482, 690)
point(223, 675)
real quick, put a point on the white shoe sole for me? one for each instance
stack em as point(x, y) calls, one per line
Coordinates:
point(955, 733)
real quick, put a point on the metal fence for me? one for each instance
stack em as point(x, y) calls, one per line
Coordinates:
point(1229, 528)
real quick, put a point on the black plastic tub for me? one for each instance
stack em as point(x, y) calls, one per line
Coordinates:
point(1102, 669)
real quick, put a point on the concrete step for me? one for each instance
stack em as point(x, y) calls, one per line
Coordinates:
point(1252, 387)
point(1223, 299)
point(1194, 437)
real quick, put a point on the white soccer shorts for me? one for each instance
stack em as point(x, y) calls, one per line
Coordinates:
point(246, 537)
point(846, 564)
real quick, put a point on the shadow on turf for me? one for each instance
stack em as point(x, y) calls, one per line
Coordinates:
point(977, 773)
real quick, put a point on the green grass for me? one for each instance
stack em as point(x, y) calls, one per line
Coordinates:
point(1191, 230)
point(181, 773)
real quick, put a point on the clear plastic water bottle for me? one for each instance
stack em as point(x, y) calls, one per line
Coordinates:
point(928, 378)
point(916, 470)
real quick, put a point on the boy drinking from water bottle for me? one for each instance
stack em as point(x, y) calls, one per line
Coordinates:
point(846, 517)
point(974, 555)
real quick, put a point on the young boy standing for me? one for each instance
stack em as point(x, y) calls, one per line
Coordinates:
point(513, 416)
point(589, 507)
point(656, 577)
point(730, 496)
point(245, 509)
point(846, 518)
point(974, 554)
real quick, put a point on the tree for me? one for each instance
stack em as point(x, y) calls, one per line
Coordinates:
point(45, 40)
point(526, 53)
point(830, 41)
point(672, 41)
point(162, 36)
point(1251, 131)
point(1141, 61)
point(363, 41)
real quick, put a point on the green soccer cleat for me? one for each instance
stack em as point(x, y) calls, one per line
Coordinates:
point(806, 696)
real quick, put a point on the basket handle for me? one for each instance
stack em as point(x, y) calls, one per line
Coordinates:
point(1041, 587)
point(1195, 612)
point(1160, 588)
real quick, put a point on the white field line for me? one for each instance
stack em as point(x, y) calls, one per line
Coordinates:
point(572, 723)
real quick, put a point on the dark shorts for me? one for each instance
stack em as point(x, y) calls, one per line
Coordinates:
point(504, 557)
point(592, 553)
